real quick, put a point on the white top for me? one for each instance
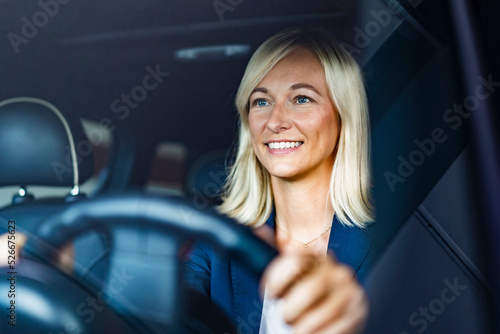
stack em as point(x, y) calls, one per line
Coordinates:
point(272, 317)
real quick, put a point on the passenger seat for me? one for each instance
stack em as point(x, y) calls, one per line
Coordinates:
point(41, 146)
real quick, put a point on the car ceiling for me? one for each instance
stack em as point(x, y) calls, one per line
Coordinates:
point(91, 52)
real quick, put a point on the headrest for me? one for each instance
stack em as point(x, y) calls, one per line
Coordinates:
point(40, 146)
point(206, 177)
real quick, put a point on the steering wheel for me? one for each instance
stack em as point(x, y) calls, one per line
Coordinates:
point(176, 221)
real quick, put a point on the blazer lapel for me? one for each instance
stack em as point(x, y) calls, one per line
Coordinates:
point(349, 244)
point(247, 302)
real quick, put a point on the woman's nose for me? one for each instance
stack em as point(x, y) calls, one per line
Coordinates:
point(279, 119)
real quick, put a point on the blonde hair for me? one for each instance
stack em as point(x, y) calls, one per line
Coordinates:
point(247, 193)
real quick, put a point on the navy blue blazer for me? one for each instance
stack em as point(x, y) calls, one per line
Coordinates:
point(235, 289)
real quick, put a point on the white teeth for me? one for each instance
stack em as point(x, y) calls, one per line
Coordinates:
point(283, 145)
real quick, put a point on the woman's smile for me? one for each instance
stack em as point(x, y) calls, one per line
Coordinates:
point(280, 147)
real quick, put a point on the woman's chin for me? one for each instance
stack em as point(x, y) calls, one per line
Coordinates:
point(285, 173)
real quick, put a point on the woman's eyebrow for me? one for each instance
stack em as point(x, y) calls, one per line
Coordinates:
point(304, 85)
point(259, 89)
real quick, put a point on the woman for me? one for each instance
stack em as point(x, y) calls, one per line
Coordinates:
point(302, 170)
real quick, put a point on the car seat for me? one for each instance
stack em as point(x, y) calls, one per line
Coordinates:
point(41, 146)
point(206, 177)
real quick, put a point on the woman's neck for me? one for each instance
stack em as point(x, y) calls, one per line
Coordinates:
point(303, 207)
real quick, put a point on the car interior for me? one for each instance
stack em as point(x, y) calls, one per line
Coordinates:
point(118, 124)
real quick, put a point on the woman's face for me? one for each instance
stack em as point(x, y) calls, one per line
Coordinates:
point(293, 124)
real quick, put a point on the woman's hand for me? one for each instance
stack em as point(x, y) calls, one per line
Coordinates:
point(15, 244)
point(320, 295)
point(64, 260)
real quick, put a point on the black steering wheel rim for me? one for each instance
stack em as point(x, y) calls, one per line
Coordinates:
point(173, 216)
point(158, 213)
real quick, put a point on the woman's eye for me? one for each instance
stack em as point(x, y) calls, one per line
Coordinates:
point(302, 99)
point(260, 103)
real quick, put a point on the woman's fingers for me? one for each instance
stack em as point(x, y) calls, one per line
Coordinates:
point(320, 295)
point(342, 311)
point(11, 245)
point(66, 258)
point(265, 233)
point(9, 242)
point(352, 323)
point(306, 295)
point(284, 272)
point(327, 311)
